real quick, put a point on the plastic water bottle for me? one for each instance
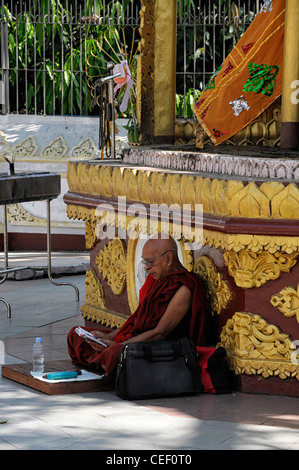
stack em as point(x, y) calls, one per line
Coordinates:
point(38, 356)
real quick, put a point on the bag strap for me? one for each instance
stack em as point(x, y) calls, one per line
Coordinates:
point(190, 359)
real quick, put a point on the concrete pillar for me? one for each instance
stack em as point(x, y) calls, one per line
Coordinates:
point(289, 137)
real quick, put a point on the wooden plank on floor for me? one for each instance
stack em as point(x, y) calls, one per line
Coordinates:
point(21, 373)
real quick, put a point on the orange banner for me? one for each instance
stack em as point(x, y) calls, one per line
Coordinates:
point(250, 78)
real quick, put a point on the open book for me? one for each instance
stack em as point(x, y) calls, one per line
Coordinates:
point(87, 335)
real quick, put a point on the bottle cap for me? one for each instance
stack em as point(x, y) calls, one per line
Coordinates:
point(38, 340)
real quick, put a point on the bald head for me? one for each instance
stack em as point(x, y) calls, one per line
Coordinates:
point(160, 243)
point(160, 256)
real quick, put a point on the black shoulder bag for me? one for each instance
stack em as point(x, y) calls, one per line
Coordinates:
point(157, 369)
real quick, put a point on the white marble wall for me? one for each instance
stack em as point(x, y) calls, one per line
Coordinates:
point(47, 143)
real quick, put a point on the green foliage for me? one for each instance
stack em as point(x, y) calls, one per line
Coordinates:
point(48, 56)
point(48, 53)
point(185, 103)
point(131, 127)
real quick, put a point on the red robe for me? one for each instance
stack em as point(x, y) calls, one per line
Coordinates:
point(153, 301)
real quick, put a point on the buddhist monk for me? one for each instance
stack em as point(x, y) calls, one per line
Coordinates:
point(172, 304)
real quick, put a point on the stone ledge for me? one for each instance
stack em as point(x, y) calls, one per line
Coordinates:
point(257, 162)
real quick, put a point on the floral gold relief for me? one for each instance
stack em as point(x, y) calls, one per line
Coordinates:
point(94, 290)
point(218, 289)
point(90, 234)
point(253, 269)
point(94, 308)
point(111, 262)
point(256, 347)
point(17, 214)
point(287, 302)
point(228, 242)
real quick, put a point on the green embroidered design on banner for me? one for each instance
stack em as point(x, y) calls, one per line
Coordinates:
point(211, 83)
point(262, 78)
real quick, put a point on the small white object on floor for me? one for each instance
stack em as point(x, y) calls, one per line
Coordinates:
point(85, 375)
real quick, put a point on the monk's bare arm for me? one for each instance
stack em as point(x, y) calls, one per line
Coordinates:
point(176, 310)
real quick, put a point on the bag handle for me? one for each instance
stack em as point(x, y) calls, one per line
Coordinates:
point(163, 355)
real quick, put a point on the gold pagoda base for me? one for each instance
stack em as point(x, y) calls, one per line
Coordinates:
point(246, 251)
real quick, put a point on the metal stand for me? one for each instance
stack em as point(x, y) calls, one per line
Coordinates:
point(49, 256)
point(107, 118)
point(7, 270)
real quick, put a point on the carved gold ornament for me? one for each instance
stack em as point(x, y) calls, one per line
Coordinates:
point(17, 214)
point(254, 243)
point(271, 199)
point(220, 197)
point(250, 269)
point(94, 290)
point(90, 234)
point(255, 347)
point(94, 309)
point(226, 241)
point(287, 302)
point(111, 262)
point(218, 289)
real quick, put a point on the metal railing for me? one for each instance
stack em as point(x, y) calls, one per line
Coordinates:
point(45, 48)
point(46, 45)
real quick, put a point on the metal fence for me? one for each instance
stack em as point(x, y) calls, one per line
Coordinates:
point(51, 50)
point(207, 30)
